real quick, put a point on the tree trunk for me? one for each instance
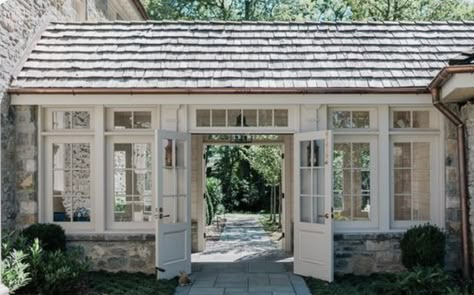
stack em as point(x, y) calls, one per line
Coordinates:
point(280, 206)
point(271, 205)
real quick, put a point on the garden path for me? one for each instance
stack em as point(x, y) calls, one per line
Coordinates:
point(245, 261)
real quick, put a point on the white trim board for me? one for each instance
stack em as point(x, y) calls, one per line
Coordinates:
point(227, 99)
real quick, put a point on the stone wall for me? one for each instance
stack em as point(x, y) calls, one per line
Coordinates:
point(118, 252)
point(20, 22)
point(362, 254)
point(467, 113)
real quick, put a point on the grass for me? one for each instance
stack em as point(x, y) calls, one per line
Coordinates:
point(123, 283)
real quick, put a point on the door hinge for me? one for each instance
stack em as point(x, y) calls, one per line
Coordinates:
point(204, 196)
point(282, 155)
point(281, 237)
point(204, 156)
point(282, 195)
point(204, 235)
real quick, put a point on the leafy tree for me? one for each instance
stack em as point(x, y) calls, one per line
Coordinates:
point(267, 161)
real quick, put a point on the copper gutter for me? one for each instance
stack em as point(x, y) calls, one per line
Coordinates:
point(440, 79)
point(255, 90)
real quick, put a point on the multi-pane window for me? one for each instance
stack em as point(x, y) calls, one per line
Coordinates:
point(132, 119)
point(351, 181)
point(312, 181)
point(350, 119)
point(132, 185)
point(411, 170)
point(71, 182)
point(71, 120)
point(411, 119)
point(241, 118)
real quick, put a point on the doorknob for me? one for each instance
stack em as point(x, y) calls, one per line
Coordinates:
point(161, 216)
point(326, 215)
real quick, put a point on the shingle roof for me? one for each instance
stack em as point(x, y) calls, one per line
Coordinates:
point(184, 54)
point(465, 58)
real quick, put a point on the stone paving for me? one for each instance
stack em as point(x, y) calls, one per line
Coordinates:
point(243, 262)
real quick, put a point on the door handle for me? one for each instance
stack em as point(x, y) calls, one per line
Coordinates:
point(161, 216)
point(326, 215)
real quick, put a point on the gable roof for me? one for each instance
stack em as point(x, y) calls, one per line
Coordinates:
point(355, 56)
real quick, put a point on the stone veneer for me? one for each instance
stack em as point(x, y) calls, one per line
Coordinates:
point(117, 252)
point(467, 113)
point(20, 22)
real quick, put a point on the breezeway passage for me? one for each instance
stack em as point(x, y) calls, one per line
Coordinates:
point(243, 261)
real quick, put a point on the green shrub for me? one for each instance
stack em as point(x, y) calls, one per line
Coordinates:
point(420, 280)
point(423, 245)
point(14, 269)
point(51, 236)
point(57, 272)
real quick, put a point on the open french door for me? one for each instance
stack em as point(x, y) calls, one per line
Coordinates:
point(173, 236)
point(313, 232)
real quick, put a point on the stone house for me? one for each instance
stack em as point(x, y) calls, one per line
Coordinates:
point(111, 119)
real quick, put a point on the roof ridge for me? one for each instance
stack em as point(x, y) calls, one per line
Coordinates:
point(219, 22)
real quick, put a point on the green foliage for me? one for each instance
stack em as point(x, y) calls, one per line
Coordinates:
point(57, 272)
point(51, 236)
point(423, 245)
point(329, 10)
point(419, 281)
point(213, 199)
point(130, 284)
point(14, 270)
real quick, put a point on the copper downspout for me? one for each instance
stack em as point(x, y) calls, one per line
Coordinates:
point(461, 131)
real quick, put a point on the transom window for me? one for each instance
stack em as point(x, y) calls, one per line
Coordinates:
point(71, 120)
point(410, 119)
point(241, 118)
point(132, 120)
point(350, 119)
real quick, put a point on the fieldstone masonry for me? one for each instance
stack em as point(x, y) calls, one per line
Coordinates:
point(118, 252)
point(467, 113)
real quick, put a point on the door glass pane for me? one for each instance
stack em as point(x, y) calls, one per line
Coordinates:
point(167, 146)
point(318, 181)
point(305, 153)
point(250, 118)
point(169, 207)
point(421, 207)
point(234, 118)
point(203, 118)
point(421, 181)
point(402, 181)
point(168, 182)
point(265, 118)
point(402, 154)
point(402, 207)
point(60, 212)
point(318, 153)
point(81, 209)
point(80, 155)
point(342, 155)
point(361, 207)
point(341, 119)
point(360, 119)
point(401, 119)
point(81, 182)
point(343, 213)
point(218, 118)
point(305, 181)
point(421, 119)
point(123, 120)
point(80, 120)
point(421, 155)
point(142, 120)
point(142, 182)
point(181, 209)
point(305, 209)
point(181, 181)
point(180, 153)
point(360, 155)
point(281, 118)
point(123, 155)
point(319, 210)
point(61, 156)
